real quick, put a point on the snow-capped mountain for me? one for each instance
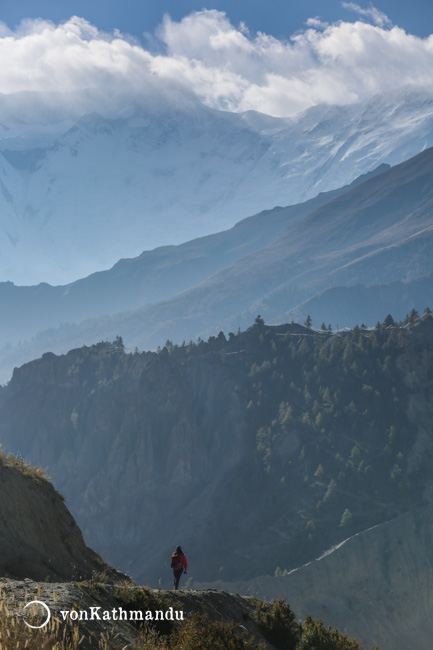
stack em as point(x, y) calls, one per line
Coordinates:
point(112, 186)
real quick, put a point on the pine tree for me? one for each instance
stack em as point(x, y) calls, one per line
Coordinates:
point(346, 519)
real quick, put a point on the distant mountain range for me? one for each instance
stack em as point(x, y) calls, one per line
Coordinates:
point(349, 256)
point(75, 201)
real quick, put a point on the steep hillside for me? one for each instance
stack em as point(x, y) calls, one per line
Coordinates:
point(39, 539)
point(318, 435)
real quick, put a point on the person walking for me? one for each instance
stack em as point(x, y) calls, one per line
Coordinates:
point(179, 565)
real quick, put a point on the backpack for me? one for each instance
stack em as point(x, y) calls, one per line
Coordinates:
point(176, 562)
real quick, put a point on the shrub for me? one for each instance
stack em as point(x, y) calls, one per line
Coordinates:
point(277, 622)
point(315, 636)
point(146, 600)
point(198, 632)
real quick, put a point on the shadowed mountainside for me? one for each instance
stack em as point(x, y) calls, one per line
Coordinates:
point(300, 426)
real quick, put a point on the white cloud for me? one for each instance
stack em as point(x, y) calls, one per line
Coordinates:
point(377, 16)
point(317, 23)
point(222, 65)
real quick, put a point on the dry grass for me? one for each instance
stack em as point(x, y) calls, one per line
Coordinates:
point(198, 632)
point(57, 635)
point(15, 634)
point(36, 473)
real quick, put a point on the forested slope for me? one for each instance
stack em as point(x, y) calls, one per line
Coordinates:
point(260, 451)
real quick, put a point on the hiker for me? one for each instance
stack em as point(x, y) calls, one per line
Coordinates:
point(178, 564)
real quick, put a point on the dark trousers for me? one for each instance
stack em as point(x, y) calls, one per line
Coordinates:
point(177, 573)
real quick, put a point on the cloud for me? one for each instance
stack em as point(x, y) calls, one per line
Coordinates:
point(377, 16)
point(316, 23)
point(222, 65)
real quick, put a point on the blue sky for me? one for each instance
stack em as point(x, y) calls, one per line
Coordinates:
point(277, 17)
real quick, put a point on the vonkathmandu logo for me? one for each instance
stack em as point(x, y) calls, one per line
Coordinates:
point(119, 614)
point(115, 614)
point(47, 609)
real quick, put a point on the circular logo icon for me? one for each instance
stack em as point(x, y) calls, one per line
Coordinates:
point(45, 606)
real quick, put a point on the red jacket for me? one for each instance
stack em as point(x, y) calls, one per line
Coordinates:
point(178, 559)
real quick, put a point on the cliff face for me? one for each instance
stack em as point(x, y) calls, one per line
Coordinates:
point(39, 538)
point(377, 585)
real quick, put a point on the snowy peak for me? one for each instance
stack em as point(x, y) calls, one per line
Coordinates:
point(147, 175)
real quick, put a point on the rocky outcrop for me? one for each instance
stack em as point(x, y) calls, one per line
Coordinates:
point(39, 538)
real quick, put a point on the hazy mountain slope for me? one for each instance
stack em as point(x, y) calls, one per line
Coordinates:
point(345, 306)
point(151, 277)
point(150, 175)
point(377, 585)
point(380, 231)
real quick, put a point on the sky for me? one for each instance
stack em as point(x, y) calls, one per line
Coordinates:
point(279, 18)
point(278, 57)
